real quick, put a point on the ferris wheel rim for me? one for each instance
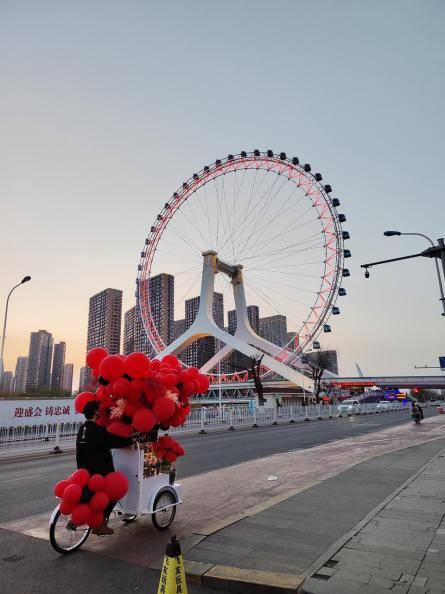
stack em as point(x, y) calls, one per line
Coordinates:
point(330, 227)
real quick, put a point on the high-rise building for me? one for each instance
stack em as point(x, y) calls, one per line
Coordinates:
point(58, 364)
point(7, 382)
point(329, 359)
point(178, 328)
point(203, 349)
point(274, 329)
point(39, 361)
point(129, 331)
point(21, 369)
point(162, 303)
point(68, 371)
point(253, 315)
point(85, 379)
point(104, 321)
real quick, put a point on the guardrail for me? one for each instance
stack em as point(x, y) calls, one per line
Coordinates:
point(57, 436)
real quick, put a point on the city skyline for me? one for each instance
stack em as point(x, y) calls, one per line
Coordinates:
point(89, 165)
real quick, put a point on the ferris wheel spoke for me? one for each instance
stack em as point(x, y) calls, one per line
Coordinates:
point(283, 210)
point(204, 210)
point(262, 213)
point(193, 223)
point(250, 228)
point(248, 211)
point(224, 211)
point(294, 321)
point(179, 248)
point(285, 231)
point(186, 238)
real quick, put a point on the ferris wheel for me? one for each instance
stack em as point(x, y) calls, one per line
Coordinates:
point(269, 215)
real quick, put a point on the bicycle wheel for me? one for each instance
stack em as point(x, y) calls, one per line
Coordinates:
point(64, 536)
point(164, 510)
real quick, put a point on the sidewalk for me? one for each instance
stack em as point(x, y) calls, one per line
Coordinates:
point(373, 528)
point(401, 548)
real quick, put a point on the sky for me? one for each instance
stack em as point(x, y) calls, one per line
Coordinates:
point(106, 107)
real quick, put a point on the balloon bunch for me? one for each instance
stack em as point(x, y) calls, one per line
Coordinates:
point(137, 395)
point(86, 496)
point(167, 449)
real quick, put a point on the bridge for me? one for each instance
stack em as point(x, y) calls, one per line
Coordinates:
point(244, 391)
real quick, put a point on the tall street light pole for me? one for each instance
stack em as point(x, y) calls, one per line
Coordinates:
point(441, 245)
point(24, 280)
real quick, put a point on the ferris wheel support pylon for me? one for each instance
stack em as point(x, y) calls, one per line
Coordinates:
point(244, 338)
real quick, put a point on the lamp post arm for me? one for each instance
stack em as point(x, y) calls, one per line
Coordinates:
point(370, 264)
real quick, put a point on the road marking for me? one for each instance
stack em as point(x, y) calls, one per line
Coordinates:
point(22, 478)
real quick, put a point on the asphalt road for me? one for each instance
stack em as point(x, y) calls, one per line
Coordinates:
point(26, 485)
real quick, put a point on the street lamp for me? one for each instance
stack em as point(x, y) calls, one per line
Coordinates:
point(398, 233)
point(25, 279)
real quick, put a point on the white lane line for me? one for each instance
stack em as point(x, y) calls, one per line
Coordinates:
point(22, 478)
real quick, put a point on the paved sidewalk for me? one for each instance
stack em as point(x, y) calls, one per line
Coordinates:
point(290, 541)
point(400, 549)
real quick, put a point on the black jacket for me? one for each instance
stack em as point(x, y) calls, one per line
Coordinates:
point(93, 445)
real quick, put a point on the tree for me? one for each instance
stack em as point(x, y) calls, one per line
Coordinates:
point(317, 363)
point(253, 367)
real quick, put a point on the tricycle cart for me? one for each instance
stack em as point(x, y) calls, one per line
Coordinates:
point(157, 494)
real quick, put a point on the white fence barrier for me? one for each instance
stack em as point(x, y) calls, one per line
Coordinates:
point(41, 437)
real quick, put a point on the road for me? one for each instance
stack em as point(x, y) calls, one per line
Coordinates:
point(26, 485)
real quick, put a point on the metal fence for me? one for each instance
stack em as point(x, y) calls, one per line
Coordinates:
point(49, 437)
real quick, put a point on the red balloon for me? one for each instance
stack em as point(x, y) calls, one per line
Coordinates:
point(119, 428)
point(170, 456)
point(66, 507)
point(82, 399)
point(99, 501)
point(116, 485)
point(188, 388)
point(155, 365)
point(60, 488)
point(170, 380)
point(121, 387)
point(80, 477)
point(193, 372)
point(81, 514)
point(164, 408)
point(112, 368)
point(95, 356)
point(204, 383)
point(171, 360)
point(144, 420)
point(176, 420)
point(137, 365)
point(96, 483)
point(72, 493)
point(96, 520)
point(101, 394)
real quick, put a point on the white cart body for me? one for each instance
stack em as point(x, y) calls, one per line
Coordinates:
point(142, 491)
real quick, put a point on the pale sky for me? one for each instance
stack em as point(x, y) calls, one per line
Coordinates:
point(106, 107)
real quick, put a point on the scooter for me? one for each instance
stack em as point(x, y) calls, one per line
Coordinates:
point(416, 418)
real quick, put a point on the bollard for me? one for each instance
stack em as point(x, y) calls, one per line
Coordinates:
point(202, 430)
point(255, 424)
point(291, 420)
point(231, 427)
point(274, 418)
point(172, 580)
point(319, 412)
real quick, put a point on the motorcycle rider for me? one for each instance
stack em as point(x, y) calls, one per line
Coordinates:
point(417, 412)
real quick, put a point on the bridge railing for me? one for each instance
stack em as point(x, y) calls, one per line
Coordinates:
point(202, 420)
